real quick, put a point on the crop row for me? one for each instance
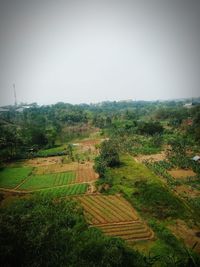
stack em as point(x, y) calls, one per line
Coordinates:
point(48, 180)
point(107, 209)
point(75, 189)
point(128, 231)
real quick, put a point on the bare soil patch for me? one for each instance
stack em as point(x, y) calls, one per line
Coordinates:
point(55, 168)
point(187, 191)
point(188, 235)
point(88, 145)
point(36, 162)
point(154, 157)
point(86, 173)
point(181, 174)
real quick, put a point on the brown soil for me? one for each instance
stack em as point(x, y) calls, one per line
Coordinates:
point(154, 157)
point(43, 161)
point(90, 142)
point(86, 173)
point(181, 174)
point(187, 191)
point(89, 145)
point(188, 235)
point(54, 168)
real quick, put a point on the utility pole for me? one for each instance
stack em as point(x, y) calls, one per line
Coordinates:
point(15, 95)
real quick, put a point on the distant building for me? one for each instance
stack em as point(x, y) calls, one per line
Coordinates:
point(188, 105)
point(4, 109)
point(196, 158)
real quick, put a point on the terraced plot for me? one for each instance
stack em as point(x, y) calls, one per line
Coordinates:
point(129, 231)
point(48, 180)
point(115, 217)
point(75, 189)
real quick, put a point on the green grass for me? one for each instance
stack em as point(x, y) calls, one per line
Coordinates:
point(145, 150)
point(48, 180)
point(11, 177)
point(144, 189)
point(75, 189)
point(130, 171)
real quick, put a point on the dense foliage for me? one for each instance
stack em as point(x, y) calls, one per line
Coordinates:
point(42, 232)
point(26, 129)
point(109, 157)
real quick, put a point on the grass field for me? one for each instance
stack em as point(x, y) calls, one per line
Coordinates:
point(75, 189)
point(114, 216)
point(51, 151)
point(11, 177)
point(48, 180)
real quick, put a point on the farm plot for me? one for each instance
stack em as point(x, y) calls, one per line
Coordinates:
point(129, 231)
point(181, 174)
point(48, 180)
point(11, 177)
point(69, 190)
point(114, 216)
point(55, 168)
point(36, 162)
point(86, 173)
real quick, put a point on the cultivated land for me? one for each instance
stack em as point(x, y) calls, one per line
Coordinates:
point(165, 196)
point(39, 175)
point(49, 176)
point(11, 177)
point(115, 217)
point(181, 174)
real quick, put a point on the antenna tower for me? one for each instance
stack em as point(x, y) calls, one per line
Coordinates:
point(15, 95)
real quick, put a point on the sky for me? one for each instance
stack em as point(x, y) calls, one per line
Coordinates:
point(88, 51)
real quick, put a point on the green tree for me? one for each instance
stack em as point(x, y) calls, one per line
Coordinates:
point(109, 153)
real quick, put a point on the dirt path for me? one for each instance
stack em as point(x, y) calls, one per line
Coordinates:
point(91, 189)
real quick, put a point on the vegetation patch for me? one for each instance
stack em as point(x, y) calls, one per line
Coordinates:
point(48, 180)
point(55, 151)
point(11, 177)
point(158, 200)
point(75, 189)
point(143, 189)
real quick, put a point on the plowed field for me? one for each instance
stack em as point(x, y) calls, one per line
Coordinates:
point(86, 173)
point(115, 217)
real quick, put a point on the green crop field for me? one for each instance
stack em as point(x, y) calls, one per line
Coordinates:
point(48, 180)
point(75, 189)
point(11, 177)
point(51, 151)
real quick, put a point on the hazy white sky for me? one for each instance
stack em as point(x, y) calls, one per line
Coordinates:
point(90, 51)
